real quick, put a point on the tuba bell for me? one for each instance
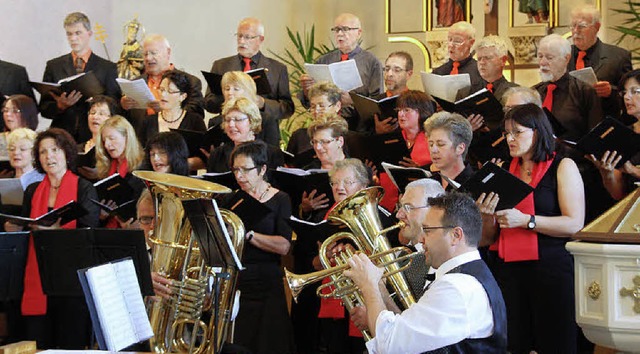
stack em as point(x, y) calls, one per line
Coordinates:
point(177, 323)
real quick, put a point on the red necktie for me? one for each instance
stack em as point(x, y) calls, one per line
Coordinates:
point(548, 99)
point(247, 64)
point(344, 57)
point(490, 87)
point(580, 60)
point(454, 71)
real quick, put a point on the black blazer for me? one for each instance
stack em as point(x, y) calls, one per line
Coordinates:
point(14, 80)
point(74, 119)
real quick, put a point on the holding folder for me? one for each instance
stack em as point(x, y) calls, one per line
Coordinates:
point(491, 178)
point(296, 181)
point(85, 83)
point(610, 135)
point(259, 76)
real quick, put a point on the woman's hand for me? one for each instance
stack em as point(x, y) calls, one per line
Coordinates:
point(385, 126)
point(607, 163)
point(161, 286)
point(312, 201)
point(631, 169)
point(487, 203)
point(10, 227)
point(55, 226)
point(129, 224)
point(408, 162)
point(477, 123)
point(103, 213)
point(512, 218)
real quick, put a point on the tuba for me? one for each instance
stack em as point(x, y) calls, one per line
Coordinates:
point(177, 323)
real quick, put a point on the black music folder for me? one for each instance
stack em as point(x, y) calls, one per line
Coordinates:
point(226, 179)
point(367, 106)
point(216, 246)
point(482, 102)
point(489, 145)
point(299, 160)
point(201, 139)
point(558, 129)
point(249, 209)
point(401, 176)
point(85, 83)
point(62, 252)
point(308, 231)
point(295, 181)
point(491, 178)
point(610, 135)
point(124, 211)
point(115, 304)
point(378, 148)
point(114, 188)
point(13, 259)
point(258, 75)
point(68, 212)
point(87, 159)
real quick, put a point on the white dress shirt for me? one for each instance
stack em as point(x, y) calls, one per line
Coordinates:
point(455, 307)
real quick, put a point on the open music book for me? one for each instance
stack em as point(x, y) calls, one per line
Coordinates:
point(444, 86)
point(85, 83)
point(343, 74)
point(138, 90)
point(115, 303)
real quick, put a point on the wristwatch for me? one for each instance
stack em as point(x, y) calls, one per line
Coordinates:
point(249, 236)
point(532, 223)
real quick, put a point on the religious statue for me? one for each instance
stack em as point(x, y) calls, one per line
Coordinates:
point(450, 12)
point(536, 10)
point(130, 64)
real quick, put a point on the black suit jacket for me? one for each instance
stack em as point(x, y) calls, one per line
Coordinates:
point(74, 119)
point(467, 66)
point(277, 104)
point(610, 63)
point(193, 104)
point(14, 80)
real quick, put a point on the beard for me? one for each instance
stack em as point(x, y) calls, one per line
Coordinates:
point(546, 76)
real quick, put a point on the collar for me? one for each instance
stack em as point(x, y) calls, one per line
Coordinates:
point(254, 59)
point(562, 82)
point(84, 57)
point(496, 83)
point(589, 50)
point(353, 53)
point(456, 261)
point(462, 62)
point(388, 93)
point(154, 80)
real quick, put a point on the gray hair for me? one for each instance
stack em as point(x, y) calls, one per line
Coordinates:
point(588, 10)
point(253, 22)
point(431, 187)
point(494, 42)
point(154, 37)
point(528, 94)
point(457, 126)
point(464, 27)
point(358, 167)
point(558, 42)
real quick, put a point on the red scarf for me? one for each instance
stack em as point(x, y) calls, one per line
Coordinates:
point(518, 244)
point(122, 169)
point(34, 301)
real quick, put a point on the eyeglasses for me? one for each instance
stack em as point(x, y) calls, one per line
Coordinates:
point(242, 170)
point(11, 110)
point(163, 90)
point(322, 142)
point(395, 69)
point(146, 220)
point(456, 42)
point(228, 120)
point(155, 154)
point(633, 92)
point(343, 29)
point(319, 107)
point(514, 134)
point(408, 207)
point(405, 110)
point(426, 229)
point(246, 37)
point(579, 25)
point(345, 183)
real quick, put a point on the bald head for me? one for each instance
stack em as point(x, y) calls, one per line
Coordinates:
point(347, 30)
point(157, 54)
point(249, 36)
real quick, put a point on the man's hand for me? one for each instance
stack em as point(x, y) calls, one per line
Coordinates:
point(359, 317)
point(385, 126)
point(603, 88)
point(306, 82)
point(65, 100)
point(127, 103)
point(631, 169)
point(155, 105)
point(345, 99)
point(487, 203)
point(161, 286)
point(477, 123)
point(363, 272)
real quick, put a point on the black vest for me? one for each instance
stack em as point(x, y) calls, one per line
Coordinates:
point(497, 341)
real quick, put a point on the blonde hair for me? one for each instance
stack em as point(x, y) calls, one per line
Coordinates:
point(132, 151)
point(243, 80)
point(21, 134)
point(245, 106)
point(337, 124)
point(463, 27)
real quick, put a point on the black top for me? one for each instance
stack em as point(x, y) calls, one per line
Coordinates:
point(462, 177)
point(191, 121)
point(299, 141)
point(86, 192)
point(219, 159)
point(275, 223)
point(467, 66)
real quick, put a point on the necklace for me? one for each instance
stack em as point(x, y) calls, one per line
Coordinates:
point(172, 121)
point(265, 192)
point(55, 187)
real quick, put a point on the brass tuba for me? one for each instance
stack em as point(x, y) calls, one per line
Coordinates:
point(177, 323)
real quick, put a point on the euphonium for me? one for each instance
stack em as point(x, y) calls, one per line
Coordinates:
point(360, 213)
point(177, 322)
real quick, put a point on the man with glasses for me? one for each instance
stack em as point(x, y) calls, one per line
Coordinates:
point(460, 40)
point(249, 38)
point(347, 32)
point(156, 52)
point(462, 310)
point(69, 110)
point(609, 62)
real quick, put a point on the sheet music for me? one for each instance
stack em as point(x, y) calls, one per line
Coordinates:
point(138, 90)
point(227, 238)
point(110, 305)
point(444, 86)
point(128, 281)
point(586, 75)
point(343, 74)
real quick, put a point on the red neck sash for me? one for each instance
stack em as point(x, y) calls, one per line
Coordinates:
point(518, 244)
point(34, 301)
point(122, 168)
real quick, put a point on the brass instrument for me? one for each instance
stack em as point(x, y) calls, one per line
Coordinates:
point(177, 323)
point(360, 213)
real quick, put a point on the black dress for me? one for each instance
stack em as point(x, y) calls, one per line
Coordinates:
point(263, 324)
point(150, 126)
point(219, 159)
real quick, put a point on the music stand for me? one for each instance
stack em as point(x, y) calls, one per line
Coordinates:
point(13, 259)
point(62, 252)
